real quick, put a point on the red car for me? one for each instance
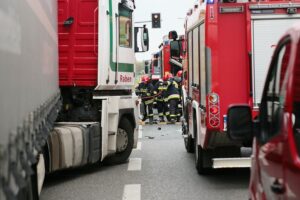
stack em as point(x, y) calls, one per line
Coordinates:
point(275, 172)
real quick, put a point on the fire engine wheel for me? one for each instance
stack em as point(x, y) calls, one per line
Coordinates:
point(124, 143)
point(201, 155)
point(189, 144)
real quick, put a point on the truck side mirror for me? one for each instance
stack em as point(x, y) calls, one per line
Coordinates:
point(239, 123)
point(141, 38)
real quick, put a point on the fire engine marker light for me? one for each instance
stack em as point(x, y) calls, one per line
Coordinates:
point(213, 98)
point(210, 1)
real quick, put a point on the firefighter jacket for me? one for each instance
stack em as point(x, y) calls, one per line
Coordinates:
point(179, 82)
point(146, 91)
point(172, 89)
point(160, 90)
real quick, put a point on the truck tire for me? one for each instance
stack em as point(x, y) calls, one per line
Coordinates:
point(124, 143)
point(189, 144)
point(188, 141)
point(201, 155)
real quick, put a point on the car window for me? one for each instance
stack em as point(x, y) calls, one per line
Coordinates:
point(296, 101)
point(273, 100)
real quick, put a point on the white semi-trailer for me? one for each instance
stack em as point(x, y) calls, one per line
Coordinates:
point(65, 88)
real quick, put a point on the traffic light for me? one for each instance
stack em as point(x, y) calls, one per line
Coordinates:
point(155, 20)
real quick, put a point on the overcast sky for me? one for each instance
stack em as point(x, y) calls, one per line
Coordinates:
point(172, 12)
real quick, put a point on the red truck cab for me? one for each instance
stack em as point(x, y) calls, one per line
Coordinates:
point(275, 168)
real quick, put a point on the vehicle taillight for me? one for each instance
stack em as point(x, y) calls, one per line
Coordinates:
point(213, 98)
point(214, 110)
point(214, 122)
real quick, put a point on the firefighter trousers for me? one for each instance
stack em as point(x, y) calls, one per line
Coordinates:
point(173, 108)
point(166, 109)
point(160, 108)
point(148, 110)
point(179, 110)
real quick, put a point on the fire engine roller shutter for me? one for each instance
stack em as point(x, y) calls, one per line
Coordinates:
point(266, 32)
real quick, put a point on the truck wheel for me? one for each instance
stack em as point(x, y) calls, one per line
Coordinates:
point(189, 144)
point(124, 143)
point(188, 141)
point(200, 155)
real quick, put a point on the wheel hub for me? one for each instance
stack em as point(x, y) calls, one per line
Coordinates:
point(122, 140)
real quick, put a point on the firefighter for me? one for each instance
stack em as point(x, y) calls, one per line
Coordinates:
point(160, 92)
point(166, 104)
point(146, 91)
point(178, 80)
point(172, 96)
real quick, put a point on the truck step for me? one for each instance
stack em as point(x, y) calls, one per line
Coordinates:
point(231, 163)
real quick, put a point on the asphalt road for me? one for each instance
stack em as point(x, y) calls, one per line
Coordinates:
point(160, 169)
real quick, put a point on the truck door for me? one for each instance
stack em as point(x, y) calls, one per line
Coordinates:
point(292, 161)
point(196, 63)
point(124, 55)
point(271, 138)
point(77, 21)
point(190, 79)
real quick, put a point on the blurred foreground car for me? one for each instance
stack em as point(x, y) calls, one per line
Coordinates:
point(275, 172)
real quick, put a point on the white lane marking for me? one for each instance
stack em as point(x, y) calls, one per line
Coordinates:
point(140, 134)
point(132, 192)
point(135, 164)
point(139, 146)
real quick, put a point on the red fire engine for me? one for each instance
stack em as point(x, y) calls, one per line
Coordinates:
point(165, 55)
point(162, 63)
point(155, 69)
point(229, 45)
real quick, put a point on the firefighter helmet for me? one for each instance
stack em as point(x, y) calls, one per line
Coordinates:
point(145, 79)
point(179, 73)
point(167, 76)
